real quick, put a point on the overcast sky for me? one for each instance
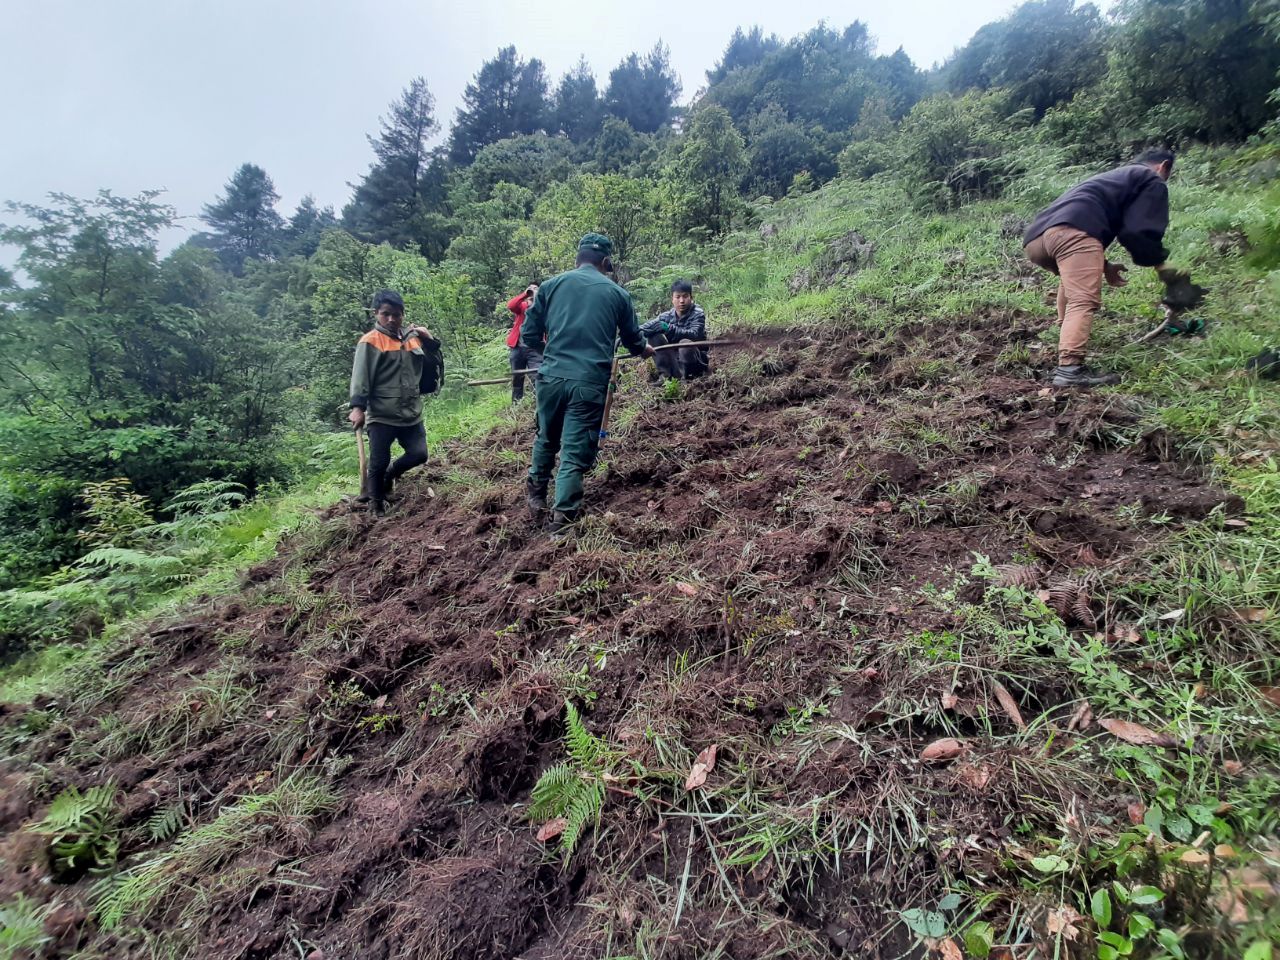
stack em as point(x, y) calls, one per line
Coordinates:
point(176, 94)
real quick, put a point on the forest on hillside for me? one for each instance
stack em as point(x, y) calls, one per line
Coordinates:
point(145, 394)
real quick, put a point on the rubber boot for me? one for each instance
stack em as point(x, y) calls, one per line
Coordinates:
point(378, 508)
point(1078, 375)
point(388, 487)
point(536, 497)
point(561, 525)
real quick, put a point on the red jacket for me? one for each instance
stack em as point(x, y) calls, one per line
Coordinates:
point(517, 305)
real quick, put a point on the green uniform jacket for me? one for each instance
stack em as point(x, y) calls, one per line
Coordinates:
point(389, 376)
point(581, 313)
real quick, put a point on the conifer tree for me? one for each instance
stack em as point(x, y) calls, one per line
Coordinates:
point(244, 220)
point(393, 201)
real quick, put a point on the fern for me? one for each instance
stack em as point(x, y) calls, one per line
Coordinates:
point(585, 807)
point(82, 829)
point(585, 747)
point(165, 824)
point(22, 928)
point(575, 790)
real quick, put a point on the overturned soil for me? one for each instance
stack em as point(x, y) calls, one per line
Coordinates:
point(766, 560)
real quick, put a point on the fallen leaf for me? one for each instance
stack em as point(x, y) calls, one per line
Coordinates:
point(437, 547)
point(1091, 490)
point(1173, 614)
point(572, 621)
point(1224, 851)
point(870, 673)
point(268, 714)
point(379, 703)
point(1065, 921)
point(1270, 694)
point(1253, 614)
point(1008, 704)
point(431, 493)
point(1194, 858)
point(1235, 523)
point(948, 748)
point(702, 765)
point(949, 701)
point(1137, 813)
point(1081, 719)
point(1232, 768)
point(975, 776)
point(1044, 392)
point(948, 949)
point(552, 829)
point(1126, 633)
point(688, 589)
point(1137, 734)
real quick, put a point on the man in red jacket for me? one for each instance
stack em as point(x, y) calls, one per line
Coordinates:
point(521, 357)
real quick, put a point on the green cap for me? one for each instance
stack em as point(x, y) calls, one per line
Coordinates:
point(597, 242)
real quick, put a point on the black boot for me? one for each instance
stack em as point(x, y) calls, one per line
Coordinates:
point(536, 497)
point(388, 486)
point(561, 525)
point(1078, 375)
point(378, 508)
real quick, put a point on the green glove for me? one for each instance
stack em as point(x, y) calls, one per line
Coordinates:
point(666, 327)
point(1185, 326)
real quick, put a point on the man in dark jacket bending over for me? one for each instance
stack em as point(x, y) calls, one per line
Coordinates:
point(684, 321)
point(1069, 237)
point(393, 368)
point(580, 313)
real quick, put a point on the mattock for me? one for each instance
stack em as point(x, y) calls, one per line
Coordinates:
point(613, 371)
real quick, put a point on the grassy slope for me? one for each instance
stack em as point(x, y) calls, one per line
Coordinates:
point(1224, 578)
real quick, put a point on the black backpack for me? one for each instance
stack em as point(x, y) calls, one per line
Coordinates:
point(432, 367)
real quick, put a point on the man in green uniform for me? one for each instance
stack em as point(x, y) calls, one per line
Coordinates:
point(581, 313)
point(393, 368)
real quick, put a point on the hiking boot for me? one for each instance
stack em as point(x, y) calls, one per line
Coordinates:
point(536, 497)
point(560, 526)
point(378, 508)
point(1078, 375)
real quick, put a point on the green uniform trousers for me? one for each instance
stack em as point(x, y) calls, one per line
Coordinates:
point(569, 414)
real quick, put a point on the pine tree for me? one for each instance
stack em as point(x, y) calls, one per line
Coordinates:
point(578, 110)
point(244, 220)
point(396, 196)
point(507, 97)
point(306, 226)
point(643, 93)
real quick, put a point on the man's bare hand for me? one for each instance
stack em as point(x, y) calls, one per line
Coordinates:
point(648, 351)
point(356, 416)
point(421, 332)
point(1114, 273)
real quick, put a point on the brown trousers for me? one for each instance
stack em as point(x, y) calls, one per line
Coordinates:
point(1078, 260)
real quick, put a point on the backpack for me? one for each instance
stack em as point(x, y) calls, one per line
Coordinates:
point(432, 367)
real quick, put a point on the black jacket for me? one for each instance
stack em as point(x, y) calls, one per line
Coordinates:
point(692, 326)
point(1129, 204)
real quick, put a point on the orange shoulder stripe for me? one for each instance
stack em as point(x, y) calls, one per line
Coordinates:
point(380, 341)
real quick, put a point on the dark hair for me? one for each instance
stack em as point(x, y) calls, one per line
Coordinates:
point(1155, 155)
point(388, 298)
point(535, 283)
point(593, 257)
point(682, 286)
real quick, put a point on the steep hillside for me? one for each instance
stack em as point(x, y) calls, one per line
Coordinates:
point(989, 669)
point(830, 559)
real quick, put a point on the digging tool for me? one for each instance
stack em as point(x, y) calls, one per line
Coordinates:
point(613, 371)
point(608, 399)
point(364, 460)
point(506, 379)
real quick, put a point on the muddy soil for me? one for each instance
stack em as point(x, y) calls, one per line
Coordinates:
point(775, 526)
